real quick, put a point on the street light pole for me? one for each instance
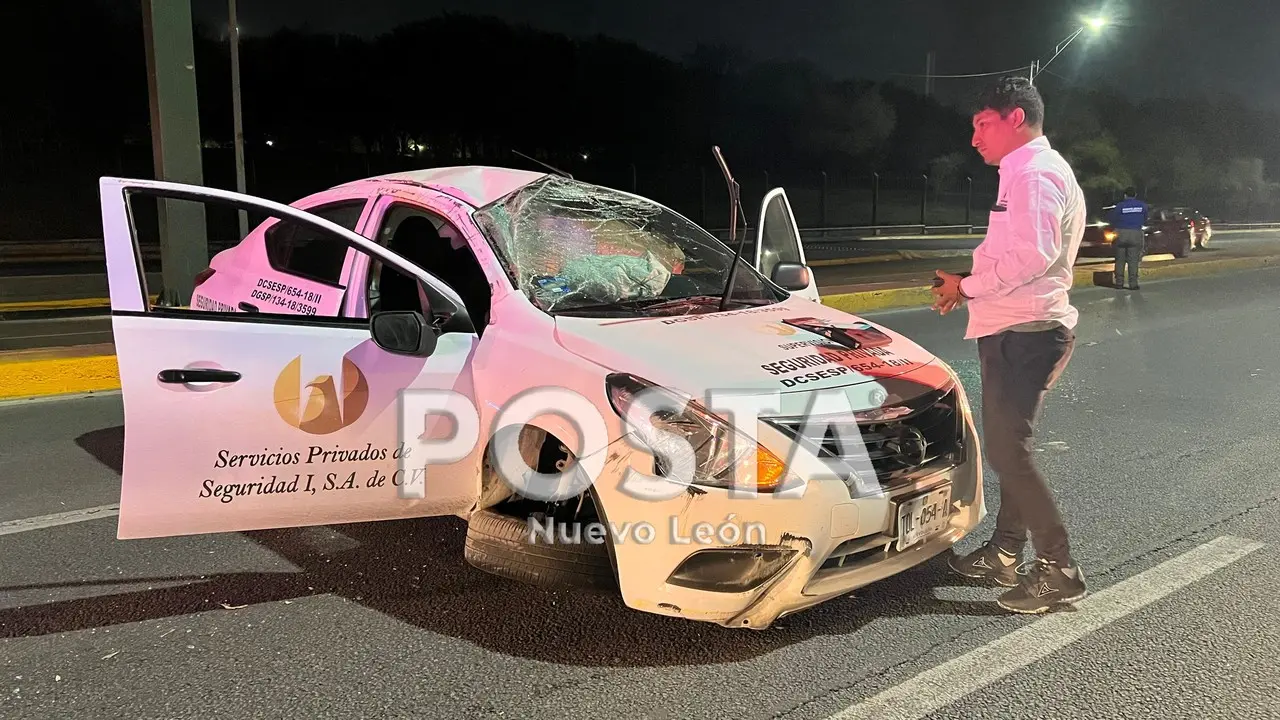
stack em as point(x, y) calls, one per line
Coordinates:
point(235, 110)
point(175, 137)
point(1036, 68)
point(1095, 23)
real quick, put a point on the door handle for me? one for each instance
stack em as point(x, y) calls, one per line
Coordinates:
point(248, 307)
point(195, 375)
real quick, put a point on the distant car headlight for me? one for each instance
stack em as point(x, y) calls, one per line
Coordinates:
point(721, 454)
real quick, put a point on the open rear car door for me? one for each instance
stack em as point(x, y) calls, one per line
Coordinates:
point(251, 420)
point(779, 252)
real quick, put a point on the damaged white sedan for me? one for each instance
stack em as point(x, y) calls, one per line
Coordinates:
point(608, 394)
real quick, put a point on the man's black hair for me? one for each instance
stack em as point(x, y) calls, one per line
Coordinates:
point(1010, 93)
point(1131, 191)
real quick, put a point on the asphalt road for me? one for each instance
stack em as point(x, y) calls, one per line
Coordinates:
point(1158, 440)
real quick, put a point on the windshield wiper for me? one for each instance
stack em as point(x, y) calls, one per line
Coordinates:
point(640, 304)
point(633, 304)
point(735, 208)
point(693, 298)
point(630, 306)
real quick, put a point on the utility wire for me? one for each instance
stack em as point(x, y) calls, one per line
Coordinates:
point(969, 75)
point(1050, 72)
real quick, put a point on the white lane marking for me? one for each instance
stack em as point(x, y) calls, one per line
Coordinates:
point(957, 678)
point(66, 518)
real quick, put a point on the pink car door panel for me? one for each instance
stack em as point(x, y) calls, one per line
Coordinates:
point(239, 421)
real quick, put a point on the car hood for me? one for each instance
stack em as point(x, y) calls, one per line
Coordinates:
point(750, 350)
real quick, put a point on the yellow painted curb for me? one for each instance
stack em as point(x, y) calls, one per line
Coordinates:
point(54, 304)
point(54, 259)
point(895, 255)
point(885, 257)
point(58, 376)
point(921, 237)
point(68, 304)
point(1087, 275)
point(871, 300)
point(1209, 266)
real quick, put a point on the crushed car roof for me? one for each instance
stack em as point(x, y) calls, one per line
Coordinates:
point(477, 185)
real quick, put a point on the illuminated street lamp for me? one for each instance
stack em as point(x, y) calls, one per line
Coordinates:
point(1096, 24)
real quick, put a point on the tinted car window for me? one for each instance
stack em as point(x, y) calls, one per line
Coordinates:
point(301, 251)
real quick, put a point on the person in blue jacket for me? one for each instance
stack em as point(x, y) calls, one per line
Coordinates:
point(1128, 218)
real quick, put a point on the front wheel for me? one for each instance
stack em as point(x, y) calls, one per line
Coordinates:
point(512, 548)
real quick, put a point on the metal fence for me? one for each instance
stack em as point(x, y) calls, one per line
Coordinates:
point(50, 193)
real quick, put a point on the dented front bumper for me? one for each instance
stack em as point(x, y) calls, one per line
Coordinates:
point(786, 554)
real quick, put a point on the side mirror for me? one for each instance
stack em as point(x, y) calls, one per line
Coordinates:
point(791, 276)
point(404, 332)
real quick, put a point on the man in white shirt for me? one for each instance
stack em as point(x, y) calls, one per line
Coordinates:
point(1023, 320)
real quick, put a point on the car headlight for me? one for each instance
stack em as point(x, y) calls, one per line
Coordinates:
point(713, 452)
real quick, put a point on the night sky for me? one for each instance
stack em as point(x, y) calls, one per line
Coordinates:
point(1154, 47)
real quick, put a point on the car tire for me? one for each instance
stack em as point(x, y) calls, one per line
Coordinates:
point(1183, 249)
point(501, 545)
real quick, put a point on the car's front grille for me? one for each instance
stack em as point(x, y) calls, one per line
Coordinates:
point(902, 442)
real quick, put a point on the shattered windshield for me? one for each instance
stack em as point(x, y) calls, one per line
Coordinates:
point(573, 247)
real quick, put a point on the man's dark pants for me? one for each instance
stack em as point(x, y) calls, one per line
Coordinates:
point(1128, 247)
point(1018, 369)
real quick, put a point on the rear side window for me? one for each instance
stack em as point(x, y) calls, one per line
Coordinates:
point(299, 250)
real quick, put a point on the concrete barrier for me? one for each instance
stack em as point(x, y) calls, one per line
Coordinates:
point(87, 369)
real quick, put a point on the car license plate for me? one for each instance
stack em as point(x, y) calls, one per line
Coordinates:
point(923, 516)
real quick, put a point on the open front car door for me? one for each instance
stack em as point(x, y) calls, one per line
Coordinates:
point(779, 252)
point(282, 413)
